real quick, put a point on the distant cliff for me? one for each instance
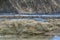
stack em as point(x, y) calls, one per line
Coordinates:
point(6, 7)
point(30, 6)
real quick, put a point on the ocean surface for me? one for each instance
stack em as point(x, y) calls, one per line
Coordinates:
point(29, 15)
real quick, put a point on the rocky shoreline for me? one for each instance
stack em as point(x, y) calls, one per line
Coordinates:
point(26, 27)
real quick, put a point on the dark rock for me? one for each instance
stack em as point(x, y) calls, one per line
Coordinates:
point(30, 6)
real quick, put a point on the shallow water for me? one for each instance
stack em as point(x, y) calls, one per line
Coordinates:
point(56, 38)
point(29, 16)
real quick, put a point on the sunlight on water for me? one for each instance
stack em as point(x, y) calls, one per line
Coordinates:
point(56, 38)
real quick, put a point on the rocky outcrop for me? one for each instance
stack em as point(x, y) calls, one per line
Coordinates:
point(30, 6)
point(6, 7)
point(29, 27)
